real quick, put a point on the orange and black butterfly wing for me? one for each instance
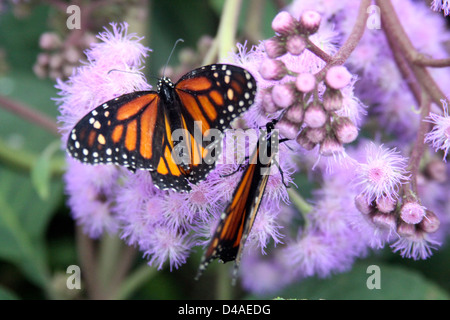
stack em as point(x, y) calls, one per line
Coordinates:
point(125, 131)
point(237, 220)
point(170, 171)
point(210, 98)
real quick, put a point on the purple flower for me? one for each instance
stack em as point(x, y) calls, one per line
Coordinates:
point(358, 204)
point(439, 136)
point(382, 173)
point(313, 254)
point(90, 192)
point(417, 246)
point(164, 225)
point(264, 274)
point(441, 5)
point(167, 244)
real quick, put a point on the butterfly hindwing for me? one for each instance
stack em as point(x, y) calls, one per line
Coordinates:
point(212, 96)
point(171, 171)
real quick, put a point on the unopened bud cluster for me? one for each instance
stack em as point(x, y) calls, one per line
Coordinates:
point(59, 58)
point(309, 119)
point(408, 219)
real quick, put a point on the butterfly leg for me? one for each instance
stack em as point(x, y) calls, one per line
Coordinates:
point(234, 172)
point(281, 173)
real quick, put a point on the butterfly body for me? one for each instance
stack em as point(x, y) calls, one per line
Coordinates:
point(238, 218)
point(172, 132)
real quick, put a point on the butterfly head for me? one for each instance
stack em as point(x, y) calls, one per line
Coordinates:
point(164, 82)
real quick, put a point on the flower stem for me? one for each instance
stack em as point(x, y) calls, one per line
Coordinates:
point(419, 145)
point(29, 114)
point(109, 257)
point(352, 41)
point(300, 203)
point(133, 281)
point(87, 257)
point(317, 51)
point(225, 38)
point(395, 33)
point(224, 288)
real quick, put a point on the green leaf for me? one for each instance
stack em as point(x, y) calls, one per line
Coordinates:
point(23, 221)
point(41, 171)
point(171, 20)
point(6, 294)
point(397, 283)
point(20, 35)
point(24, 216)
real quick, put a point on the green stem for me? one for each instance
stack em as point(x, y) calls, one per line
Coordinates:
point(254, 21)
point(224, 289)
point(298, 201)
point(109, 256)
point(136, 279)
point(227, 28)
point(25, 160)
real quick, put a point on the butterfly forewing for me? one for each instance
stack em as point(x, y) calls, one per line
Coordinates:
point(121, 131)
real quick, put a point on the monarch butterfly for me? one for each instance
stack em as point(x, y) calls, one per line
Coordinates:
point(136, 130)
point(236, 222)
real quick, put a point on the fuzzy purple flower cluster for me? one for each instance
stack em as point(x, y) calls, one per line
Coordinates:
point(164, 225)
point(360, 204)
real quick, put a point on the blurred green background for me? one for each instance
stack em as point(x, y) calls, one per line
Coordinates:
point(37, 234)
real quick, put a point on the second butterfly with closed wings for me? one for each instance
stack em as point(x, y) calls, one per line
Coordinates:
point(136, 130)
point(236, 222)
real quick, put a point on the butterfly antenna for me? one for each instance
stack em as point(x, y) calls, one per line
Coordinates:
point(170, 55)
point(126, 71)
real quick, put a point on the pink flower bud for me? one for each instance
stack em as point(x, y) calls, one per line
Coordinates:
point(283, 95)
point(50, 41)
point(72, 54)
point(284, 23)
point(332, 100)
point(39, 70)
point(386, 204)
point(384, 220)
point(295, 44)
point(43, 59)
point(274, 47)
point(304, 142)
point(344, 130)
point(316, 135)
point(288, 129)
point(338, 77)
point(330, 146)
point(412, 212)
point(272, 69)
point(363, 205)
point(310, 21)
point(267, 102)
point(315, 116)
point(56, 61)
point(305, 82)
point(430, 223)
point(295, 113)
point(406, 230)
